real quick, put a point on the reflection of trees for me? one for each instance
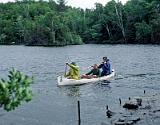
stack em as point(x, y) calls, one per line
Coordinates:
point(74, 92)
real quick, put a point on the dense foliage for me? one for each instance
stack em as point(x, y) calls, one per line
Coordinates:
point(16, 90)
point(50, 23)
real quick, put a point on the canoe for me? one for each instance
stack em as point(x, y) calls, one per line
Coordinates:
point(62, 81)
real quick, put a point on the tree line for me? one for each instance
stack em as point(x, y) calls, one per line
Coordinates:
point(53, 23)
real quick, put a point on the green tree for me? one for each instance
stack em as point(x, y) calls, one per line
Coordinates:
point(154, 21)
point(113, 16)
point(61, 5)
point(54, 23)
point(136, 12)
point(143, 32)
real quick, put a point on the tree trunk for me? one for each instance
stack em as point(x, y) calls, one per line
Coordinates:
point(107, 28)
point(120, 22)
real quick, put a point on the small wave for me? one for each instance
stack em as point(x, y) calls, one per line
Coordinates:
point(144, 75)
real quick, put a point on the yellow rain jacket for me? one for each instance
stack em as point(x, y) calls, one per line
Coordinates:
point(73, 71)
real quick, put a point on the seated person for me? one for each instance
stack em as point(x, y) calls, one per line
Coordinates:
point(105, 65)
point(73, 72)
point(94, 73)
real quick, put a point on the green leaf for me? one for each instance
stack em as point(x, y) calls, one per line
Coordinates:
point(16, 90)
point(7, 107)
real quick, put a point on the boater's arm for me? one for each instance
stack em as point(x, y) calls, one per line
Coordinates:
point(73, 66)
point(89, 72)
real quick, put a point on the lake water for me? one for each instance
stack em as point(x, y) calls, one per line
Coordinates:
point(137, 69)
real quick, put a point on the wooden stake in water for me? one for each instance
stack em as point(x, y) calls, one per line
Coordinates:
point(79, 117)
point(120, 101)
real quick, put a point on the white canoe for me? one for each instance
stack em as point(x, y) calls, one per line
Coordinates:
point(65, 81)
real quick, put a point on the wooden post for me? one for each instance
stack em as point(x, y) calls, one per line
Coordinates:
point(120, 101)
point(79, 117)
point(107, 107)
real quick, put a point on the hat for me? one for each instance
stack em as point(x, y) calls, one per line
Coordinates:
point(73, 63)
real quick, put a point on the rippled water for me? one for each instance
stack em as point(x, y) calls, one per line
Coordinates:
point(137, 69)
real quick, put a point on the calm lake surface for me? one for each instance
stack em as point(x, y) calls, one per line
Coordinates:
point(137, 69)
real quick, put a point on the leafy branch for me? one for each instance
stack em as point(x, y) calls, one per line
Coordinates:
point(16, 90)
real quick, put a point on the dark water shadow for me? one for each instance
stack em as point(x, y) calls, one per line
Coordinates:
point(71, 91)
point(74, 91)
point(105, 82)
point(1, 114)
point(142, 75)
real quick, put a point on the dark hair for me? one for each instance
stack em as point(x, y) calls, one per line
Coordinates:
point(105, 58)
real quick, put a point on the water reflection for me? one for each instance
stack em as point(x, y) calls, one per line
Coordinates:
point(70, 91)
point(105, 82)
point(74, 92)
point(143, 75)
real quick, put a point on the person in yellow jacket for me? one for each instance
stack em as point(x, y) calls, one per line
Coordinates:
point(73, 72)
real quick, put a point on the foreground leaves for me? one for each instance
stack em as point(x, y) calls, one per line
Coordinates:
point(16, 90)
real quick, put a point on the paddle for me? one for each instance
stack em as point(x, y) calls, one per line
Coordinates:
point(87, 68)
point(65, 70)
point(61, 78)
